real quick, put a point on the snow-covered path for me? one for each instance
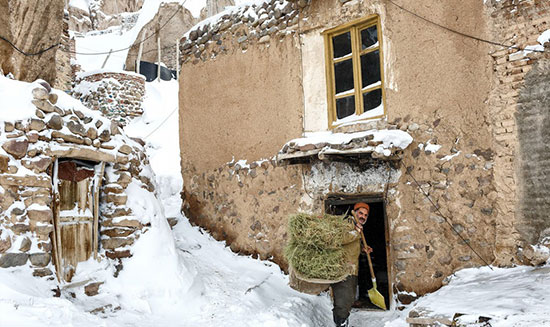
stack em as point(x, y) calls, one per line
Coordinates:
point(237, 290)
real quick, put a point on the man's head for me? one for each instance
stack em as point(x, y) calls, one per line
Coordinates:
point(361, 212)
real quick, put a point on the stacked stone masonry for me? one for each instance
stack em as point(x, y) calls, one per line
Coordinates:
point(119, 96)
point(251, 24)
point(28, 150)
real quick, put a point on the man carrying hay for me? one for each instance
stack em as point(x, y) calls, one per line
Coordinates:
point(344, 291)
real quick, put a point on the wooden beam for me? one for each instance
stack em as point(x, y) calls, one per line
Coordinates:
point(178, 59)
point(56, 242)
point(106, 58)
point(159, 56)
point(95, 227)
point(140, 51)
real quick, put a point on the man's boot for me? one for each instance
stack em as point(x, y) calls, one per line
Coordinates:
point(341, 322)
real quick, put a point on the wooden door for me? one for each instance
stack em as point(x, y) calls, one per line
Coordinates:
point(75, 213)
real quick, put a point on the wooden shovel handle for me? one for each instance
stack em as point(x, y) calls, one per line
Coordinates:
point(364, 242)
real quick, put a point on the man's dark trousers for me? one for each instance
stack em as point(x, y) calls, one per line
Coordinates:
point(344, 295)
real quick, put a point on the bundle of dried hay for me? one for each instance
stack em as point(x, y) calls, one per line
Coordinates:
point(314, 249)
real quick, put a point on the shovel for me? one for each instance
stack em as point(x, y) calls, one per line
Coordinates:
point(375, 297)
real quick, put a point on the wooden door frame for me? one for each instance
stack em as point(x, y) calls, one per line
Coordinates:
point(56, 246)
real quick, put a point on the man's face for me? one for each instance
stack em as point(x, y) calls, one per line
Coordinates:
point(362, 215)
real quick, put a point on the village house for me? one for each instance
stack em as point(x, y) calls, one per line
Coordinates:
point(311, 106)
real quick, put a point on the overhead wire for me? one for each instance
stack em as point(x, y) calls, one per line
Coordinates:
point(162, 123)
point(128, 47)
point(508, 46)
point(436, 207)
point(462, 33)
point(29, 54)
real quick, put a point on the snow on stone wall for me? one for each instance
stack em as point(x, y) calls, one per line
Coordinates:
point(237, 27)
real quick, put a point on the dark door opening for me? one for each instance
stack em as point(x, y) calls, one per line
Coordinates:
point(376, 235)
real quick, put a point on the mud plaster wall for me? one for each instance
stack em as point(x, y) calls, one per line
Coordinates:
point(240, 105)
point(430, 93)
point(533, 131)
point(518, 119)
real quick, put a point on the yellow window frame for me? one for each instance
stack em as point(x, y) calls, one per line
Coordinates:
point(354, 28)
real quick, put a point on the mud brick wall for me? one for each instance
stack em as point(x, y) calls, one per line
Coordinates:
point(117, 95)
point(520, 119)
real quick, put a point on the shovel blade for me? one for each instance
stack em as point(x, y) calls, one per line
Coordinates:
point(376, 298)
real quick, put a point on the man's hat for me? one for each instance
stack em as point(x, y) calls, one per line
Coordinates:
point(361, 205)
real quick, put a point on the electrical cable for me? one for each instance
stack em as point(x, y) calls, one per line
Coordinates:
point(447, 220)
point(461, 33)
point(164, 121)
point(129, 47)
point(27, 54)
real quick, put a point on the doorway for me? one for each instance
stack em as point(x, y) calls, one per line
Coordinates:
point(76, 213)
point(377, 237)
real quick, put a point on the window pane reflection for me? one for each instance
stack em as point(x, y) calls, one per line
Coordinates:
point(369, 37)
point(343, 74)
point(345, 107)
point(372, 99)
point(370, 68)
point(341, 45)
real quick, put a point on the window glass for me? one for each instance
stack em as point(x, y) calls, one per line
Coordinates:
point(343, 75)
point(369, 37)
point(372, 99)
point(341, 45)
point(370, 68)
point(345, 107)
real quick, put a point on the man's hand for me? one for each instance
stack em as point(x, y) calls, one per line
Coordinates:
point(367, 250)
point(359, 227)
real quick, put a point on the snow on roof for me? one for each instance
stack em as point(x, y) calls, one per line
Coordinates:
point(379, 143)
point(241, 7)
point(17, 96)
point(260, 18)
point(80, 75)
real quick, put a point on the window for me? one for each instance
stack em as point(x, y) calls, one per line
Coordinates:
point(354, 72)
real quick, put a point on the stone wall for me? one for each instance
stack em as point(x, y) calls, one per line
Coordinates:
point(238, 29)
point(65, 71)
point(118, 96)
point(519, 118)
point(28, 149)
